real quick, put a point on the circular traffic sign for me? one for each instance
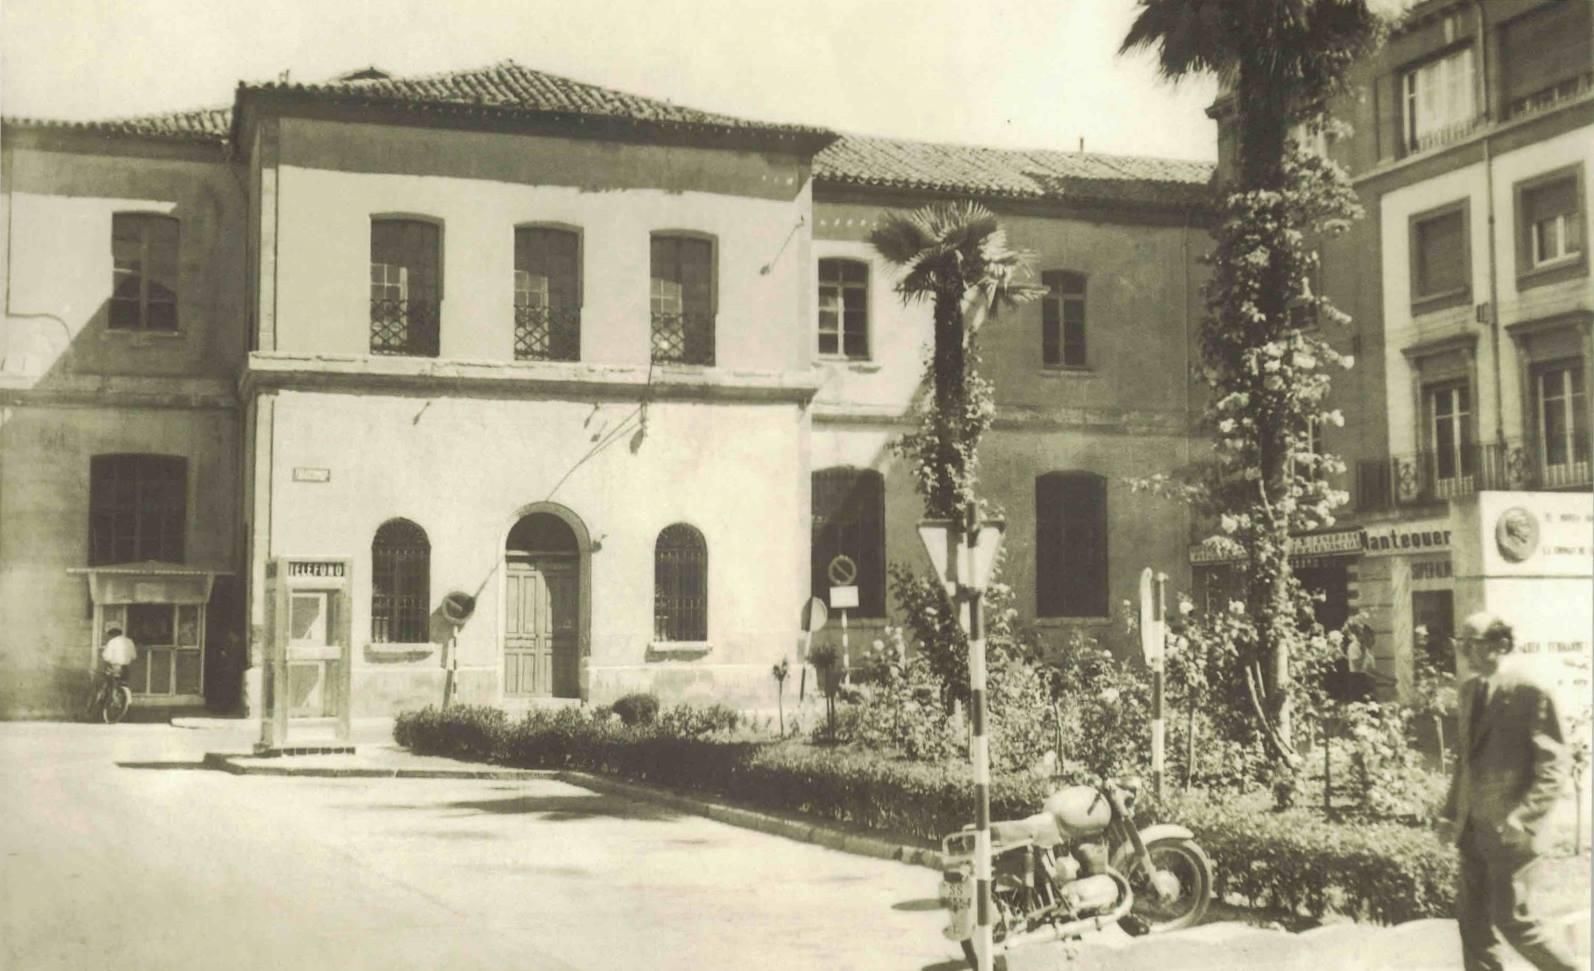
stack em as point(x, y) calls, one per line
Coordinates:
point(842, 570)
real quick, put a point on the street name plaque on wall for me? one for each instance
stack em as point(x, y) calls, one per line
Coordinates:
point(305, 473)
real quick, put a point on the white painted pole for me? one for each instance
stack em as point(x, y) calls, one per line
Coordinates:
point(846, 659)
point(980, 756)
point(1158, 701)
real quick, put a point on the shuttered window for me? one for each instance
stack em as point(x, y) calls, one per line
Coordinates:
point(680, 585)
point(849, 510)
point(406, 290)
point(1439, 254)
point(547, 294)
point(144, 272)
point(681, 298)
point(401, 579)
point(1546, 56)
point(138, 508)
point(1070, 545)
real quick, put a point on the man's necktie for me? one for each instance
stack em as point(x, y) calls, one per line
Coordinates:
point(1480, 697)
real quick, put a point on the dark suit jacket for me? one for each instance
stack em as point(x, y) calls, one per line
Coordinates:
point(1511, 757)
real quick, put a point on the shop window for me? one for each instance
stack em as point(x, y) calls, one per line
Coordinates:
point(1070, 545)
point(681, 299)
point(143, 272)
point(1562, 423)
point(406, 287)
point(680, 585)
point(844, 309)
point(138, 508)
point(1438, 100)
point(547, 294)
point(849, 514)
point(1440, 257)
point(1063, 319)
point(401, 575)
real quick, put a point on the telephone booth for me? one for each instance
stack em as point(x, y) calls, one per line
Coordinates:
point(307, 670)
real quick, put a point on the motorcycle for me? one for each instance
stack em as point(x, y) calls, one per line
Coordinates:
point(1076, 866)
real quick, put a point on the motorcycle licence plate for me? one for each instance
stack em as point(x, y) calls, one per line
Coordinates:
point(958, 899)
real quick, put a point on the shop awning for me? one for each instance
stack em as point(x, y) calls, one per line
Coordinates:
point(150, 581)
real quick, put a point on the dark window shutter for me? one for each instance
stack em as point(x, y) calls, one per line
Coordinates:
point(1543, 48)
point(848, 508)
point(1441, 254)
point(1071, 545)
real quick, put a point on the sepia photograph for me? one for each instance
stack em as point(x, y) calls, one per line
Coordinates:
point(850, 485)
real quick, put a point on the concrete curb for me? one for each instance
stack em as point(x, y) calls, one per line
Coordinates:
point(246, 765)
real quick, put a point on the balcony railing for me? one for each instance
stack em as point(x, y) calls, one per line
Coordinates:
point(683, 338)
point(1443, 136)
point(1429, 477)
point(407, 327)
point(1550, 96)
point(547, 334)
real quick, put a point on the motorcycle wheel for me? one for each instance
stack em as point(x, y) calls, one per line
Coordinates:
point(1187, 875)
point(998, 934)
point(121, 698)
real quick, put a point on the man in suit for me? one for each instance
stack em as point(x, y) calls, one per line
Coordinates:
point(1509, 774)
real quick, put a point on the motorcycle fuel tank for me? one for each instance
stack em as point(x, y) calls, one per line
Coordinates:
point(1079, 810)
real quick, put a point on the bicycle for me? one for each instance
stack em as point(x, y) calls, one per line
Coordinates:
point(111, 698)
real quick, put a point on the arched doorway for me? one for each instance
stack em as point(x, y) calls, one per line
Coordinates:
point(542, 608)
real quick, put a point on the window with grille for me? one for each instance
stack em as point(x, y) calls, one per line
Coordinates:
point(1070, 545)
point(1063, 319)
point(406, 293)
point(1438, 100)
point(144, 272)
point(681, 298)
point(401, 579)
point(547, 294)
point(1448, 412)
point(138, 508)
point(844, 309)
point(849, 519)
point(1563, 418)
point(680, 585)
point(1440, 254)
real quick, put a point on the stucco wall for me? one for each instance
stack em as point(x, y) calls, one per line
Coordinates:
point(47, 646)
point(466, 469)
point(333, 178)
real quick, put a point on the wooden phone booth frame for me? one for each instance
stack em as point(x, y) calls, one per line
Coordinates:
point(286, 576)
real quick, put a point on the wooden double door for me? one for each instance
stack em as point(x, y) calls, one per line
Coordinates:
point(541, 629)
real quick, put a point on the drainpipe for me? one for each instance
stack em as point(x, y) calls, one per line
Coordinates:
point(1488, 201)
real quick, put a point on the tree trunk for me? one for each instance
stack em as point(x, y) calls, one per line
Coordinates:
point(950, 367)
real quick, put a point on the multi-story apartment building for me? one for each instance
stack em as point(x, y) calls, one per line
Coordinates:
point(1468, 413)
point(316, 375)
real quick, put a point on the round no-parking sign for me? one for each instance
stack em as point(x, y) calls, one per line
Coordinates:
point(842, 570)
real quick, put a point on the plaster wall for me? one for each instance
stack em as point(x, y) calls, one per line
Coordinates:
point(47, 650)
point(334, 177)
point(468, 470)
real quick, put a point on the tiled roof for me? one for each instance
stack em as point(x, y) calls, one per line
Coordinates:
point(512, 87)
point(199, 124)
point(1011, 173)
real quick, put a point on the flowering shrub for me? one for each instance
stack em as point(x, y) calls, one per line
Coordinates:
point(637, 709)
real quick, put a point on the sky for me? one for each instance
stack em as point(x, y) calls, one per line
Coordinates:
point(1010, 73)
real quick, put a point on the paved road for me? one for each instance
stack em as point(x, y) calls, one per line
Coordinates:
point(132, 867)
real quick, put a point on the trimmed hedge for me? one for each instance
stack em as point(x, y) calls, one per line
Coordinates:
point(1384, 872)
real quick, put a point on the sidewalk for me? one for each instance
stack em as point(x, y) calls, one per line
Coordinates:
point(1226, 945)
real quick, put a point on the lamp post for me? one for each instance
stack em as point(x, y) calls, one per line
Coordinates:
point(962, 555)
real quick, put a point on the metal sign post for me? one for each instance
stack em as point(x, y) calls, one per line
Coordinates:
point(813, 618)
point(843, 595)
point(963, 555)
point(1153, 641)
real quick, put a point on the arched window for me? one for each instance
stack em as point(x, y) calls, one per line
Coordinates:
point(849, 519)
point(547, 294)
point(682, 299)
point(138, 508)
point(144, 272)
point(680, 585)
point(1070, 545)
point(401, 582)
point(406, 286)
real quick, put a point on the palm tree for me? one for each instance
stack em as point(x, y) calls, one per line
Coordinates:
point(956, 255)
point(1282, 60)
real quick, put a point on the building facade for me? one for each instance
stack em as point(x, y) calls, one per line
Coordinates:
point(504, 384)
point(1467, 414)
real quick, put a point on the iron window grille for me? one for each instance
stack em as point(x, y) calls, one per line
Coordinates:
point(138, 508)
point(401, 569)
point(849, 519)
point(406, 295)
point(1063, 319)
point(547, 295)
point(680, 585)
point(1070, 545)
point(844, 309)
point(681, 300)
point(144, 272)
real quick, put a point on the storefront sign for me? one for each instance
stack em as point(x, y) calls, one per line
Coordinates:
point(1431, 570)
point(1402, 538)
point(1343, 542)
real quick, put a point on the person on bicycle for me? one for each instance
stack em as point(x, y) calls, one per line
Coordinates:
point(119, 650)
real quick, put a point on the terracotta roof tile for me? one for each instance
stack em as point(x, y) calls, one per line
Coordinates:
point(1011, 173)
point(198, 124)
